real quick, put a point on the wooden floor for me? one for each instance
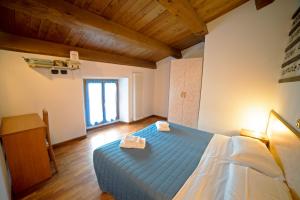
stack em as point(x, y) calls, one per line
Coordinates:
point(76, 178)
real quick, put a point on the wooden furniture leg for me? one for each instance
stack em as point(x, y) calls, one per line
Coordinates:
point(50, 148)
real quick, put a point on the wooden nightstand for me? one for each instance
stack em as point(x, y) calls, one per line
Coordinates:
point(259, 136)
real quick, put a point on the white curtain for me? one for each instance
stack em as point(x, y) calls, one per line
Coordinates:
point(95, 103)
point(110, 101)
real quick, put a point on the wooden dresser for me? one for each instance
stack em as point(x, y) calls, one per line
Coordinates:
point(23, 140)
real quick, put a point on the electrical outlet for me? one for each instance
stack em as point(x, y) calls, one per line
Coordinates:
point(298, 123)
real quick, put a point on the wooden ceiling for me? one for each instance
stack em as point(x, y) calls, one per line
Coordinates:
point(130, 32)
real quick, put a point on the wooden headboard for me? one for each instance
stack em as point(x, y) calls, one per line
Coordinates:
point(285, 147)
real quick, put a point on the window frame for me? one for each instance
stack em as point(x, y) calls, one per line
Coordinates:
point(86, 105)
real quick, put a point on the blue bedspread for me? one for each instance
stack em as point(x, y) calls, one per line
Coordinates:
point(156, 172)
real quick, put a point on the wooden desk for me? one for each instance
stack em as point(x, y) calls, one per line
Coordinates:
point(23, 139)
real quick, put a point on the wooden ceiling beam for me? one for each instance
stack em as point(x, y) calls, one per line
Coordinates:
point(184, 11)
point(28, 45)
point(262, 3)
point(67, 14)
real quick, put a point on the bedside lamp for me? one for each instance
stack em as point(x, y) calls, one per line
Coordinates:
point(256, 135)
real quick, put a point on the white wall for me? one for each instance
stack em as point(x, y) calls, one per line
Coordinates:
point(242, 56)
point(289, 102)
point(196, 51)
point(25, 90)
point(137, 96)
point(161, 87)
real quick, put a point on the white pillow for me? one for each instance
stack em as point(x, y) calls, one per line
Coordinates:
point(253, 153)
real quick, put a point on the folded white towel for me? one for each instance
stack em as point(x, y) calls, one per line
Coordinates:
point(162, 126)
point(132, 141)
point(163, 129)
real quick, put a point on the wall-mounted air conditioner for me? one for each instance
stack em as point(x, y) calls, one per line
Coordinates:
point(56, 66)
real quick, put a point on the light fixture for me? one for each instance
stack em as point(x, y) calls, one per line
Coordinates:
point(255, 118)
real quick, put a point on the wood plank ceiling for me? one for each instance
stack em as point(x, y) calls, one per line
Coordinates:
point(144, 31)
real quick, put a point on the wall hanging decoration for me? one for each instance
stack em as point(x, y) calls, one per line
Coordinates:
point(290, 69)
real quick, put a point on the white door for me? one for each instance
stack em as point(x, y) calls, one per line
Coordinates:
point(176, 88)
point(192, 90)
point(185, 89)
point(137, 96)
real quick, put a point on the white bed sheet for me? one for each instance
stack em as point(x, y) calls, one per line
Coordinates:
point(217, 178)
point(246, 183)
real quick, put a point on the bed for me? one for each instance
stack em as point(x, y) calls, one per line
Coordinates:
point(191, 164)
point(158, 171)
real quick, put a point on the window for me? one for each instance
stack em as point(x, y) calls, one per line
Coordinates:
point(101, 102)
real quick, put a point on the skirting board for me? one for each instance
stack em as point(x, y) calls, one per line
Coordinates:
point(69, 141)
point(160, 117)
point(103, 126)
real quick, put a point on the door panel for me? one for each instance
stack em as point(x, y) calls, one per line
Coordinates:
point(176, 89)
point(137, 96)
point(95, 103)
point(192, 89)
